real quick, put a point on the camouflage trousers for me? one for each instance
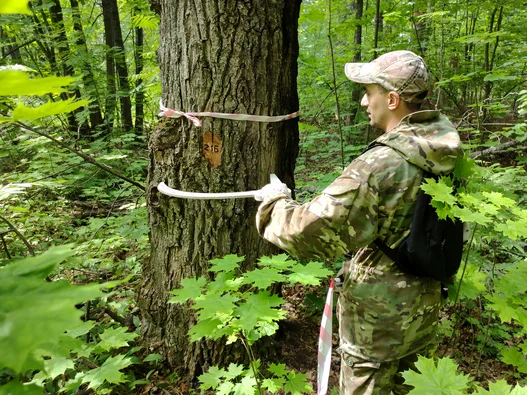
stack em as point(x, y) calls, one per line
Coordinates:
point(362, 377)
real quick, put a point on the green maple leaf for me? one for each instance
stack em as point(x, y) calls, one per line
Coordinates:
point(225, 388)
point(192, 288)
point(214, 304)
point(263, 278)
point(28, 301)
point(439, 191)
point(488, 208)
point(225, 282)
point(19, 83)
point(281, 262)
point(513, 229)
point(208, 328)
point(513, 281)
point(465, 167)
point(23, 113)
point(81, 329)
point(233, 371)
point(519, 390)
point(278, 370)
point(54, 367)
point(226, 264)
point(466, 199)
point(500, 387)
point(474, 282)
point(115, 338)
point(296, 383)
point(514, 357)
point(110, 371)
point(15, 387)
point(273, 385)
point(263, 328)
point(436, 379)
point(309, 274)
point(259, 307)
point(246, 387)
point(466, 214)
point(505, 307)
point(498, 199)
point(212, 378)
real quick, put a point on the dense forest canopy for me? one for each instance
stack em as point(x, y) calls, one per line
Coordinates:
point(79, 100)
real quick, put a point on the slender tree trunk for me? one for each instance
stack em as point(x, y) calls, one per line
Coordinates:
point(116, 64)
point(378, 23)
point(64, 54)
point(491, 57)
point(88, 78)
point(222, 56)
point(140, 95)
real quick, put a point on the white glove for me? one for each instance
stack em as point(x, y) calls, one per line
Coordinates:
point(275, 188)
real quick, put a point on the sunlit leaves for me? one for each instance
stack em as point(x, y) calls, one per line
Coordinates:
point(18, 83)
point(23, 113)
point(15, 7)
point(309, 274)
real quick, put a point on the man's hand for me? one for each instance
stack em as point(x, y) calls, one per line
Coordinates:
point(275, 188)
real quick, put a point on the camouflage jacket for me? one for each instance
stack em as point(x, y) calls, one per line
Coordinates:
point(384, 314)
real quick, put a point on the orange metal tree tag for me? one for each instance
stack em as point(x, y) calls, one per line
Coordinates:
point(212, 149)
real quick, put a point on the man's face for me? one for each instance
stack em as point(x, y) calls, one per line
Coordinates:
point(376, 101)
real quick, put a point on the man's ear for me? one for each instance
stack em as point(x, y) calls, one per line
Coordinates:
point(394, 100)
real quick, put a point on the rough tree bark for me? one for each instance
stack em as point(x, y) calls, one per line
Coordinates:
point(223, 56)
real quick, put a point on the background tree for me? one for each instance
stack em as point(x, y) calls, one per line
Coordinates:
point(222, 56)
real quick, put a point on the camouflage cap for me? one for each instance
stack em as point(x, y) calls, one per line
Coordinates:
point(401, 71)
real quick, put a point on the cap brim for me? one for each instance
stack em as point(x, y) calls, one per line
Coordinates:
point(359, 72)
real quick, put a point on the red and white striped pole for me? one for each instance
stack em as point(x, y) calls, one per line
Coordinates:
point(325, 343)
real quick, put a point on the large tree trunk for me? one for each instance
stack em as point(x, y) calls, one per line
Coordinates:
point(222, 56)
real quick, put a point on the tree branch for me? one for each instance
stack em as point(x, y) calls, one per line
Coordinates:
point(87, 158)
point(20, 235)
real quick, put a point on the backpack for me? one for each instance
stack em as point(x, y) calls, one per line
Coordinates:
point(434, 246)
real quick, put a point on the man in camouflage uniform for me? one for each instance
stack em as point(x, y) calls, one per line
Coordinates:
point(386, 317)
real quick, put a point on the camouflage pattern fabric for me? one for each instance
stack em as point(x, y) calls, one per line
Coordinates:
point(384, 314)
point(401, 71)
point(362, 377)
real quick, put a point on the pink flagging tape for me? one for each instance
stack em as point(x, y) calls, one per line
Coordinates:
point(325, 342)
point(192, 116)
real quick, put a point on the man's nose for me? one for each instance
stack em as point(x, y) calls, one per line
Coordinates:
point(364, 101)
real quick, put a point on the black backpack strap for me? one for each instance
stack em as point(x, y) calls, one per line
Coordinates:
point(391, 253)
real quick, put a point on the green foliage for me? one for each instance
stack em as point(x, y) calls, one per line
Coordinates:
point(440, 377)
point(226, 308)
point(28, 301)
point(237, 380)
point(436, 377)
point(237, 305)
